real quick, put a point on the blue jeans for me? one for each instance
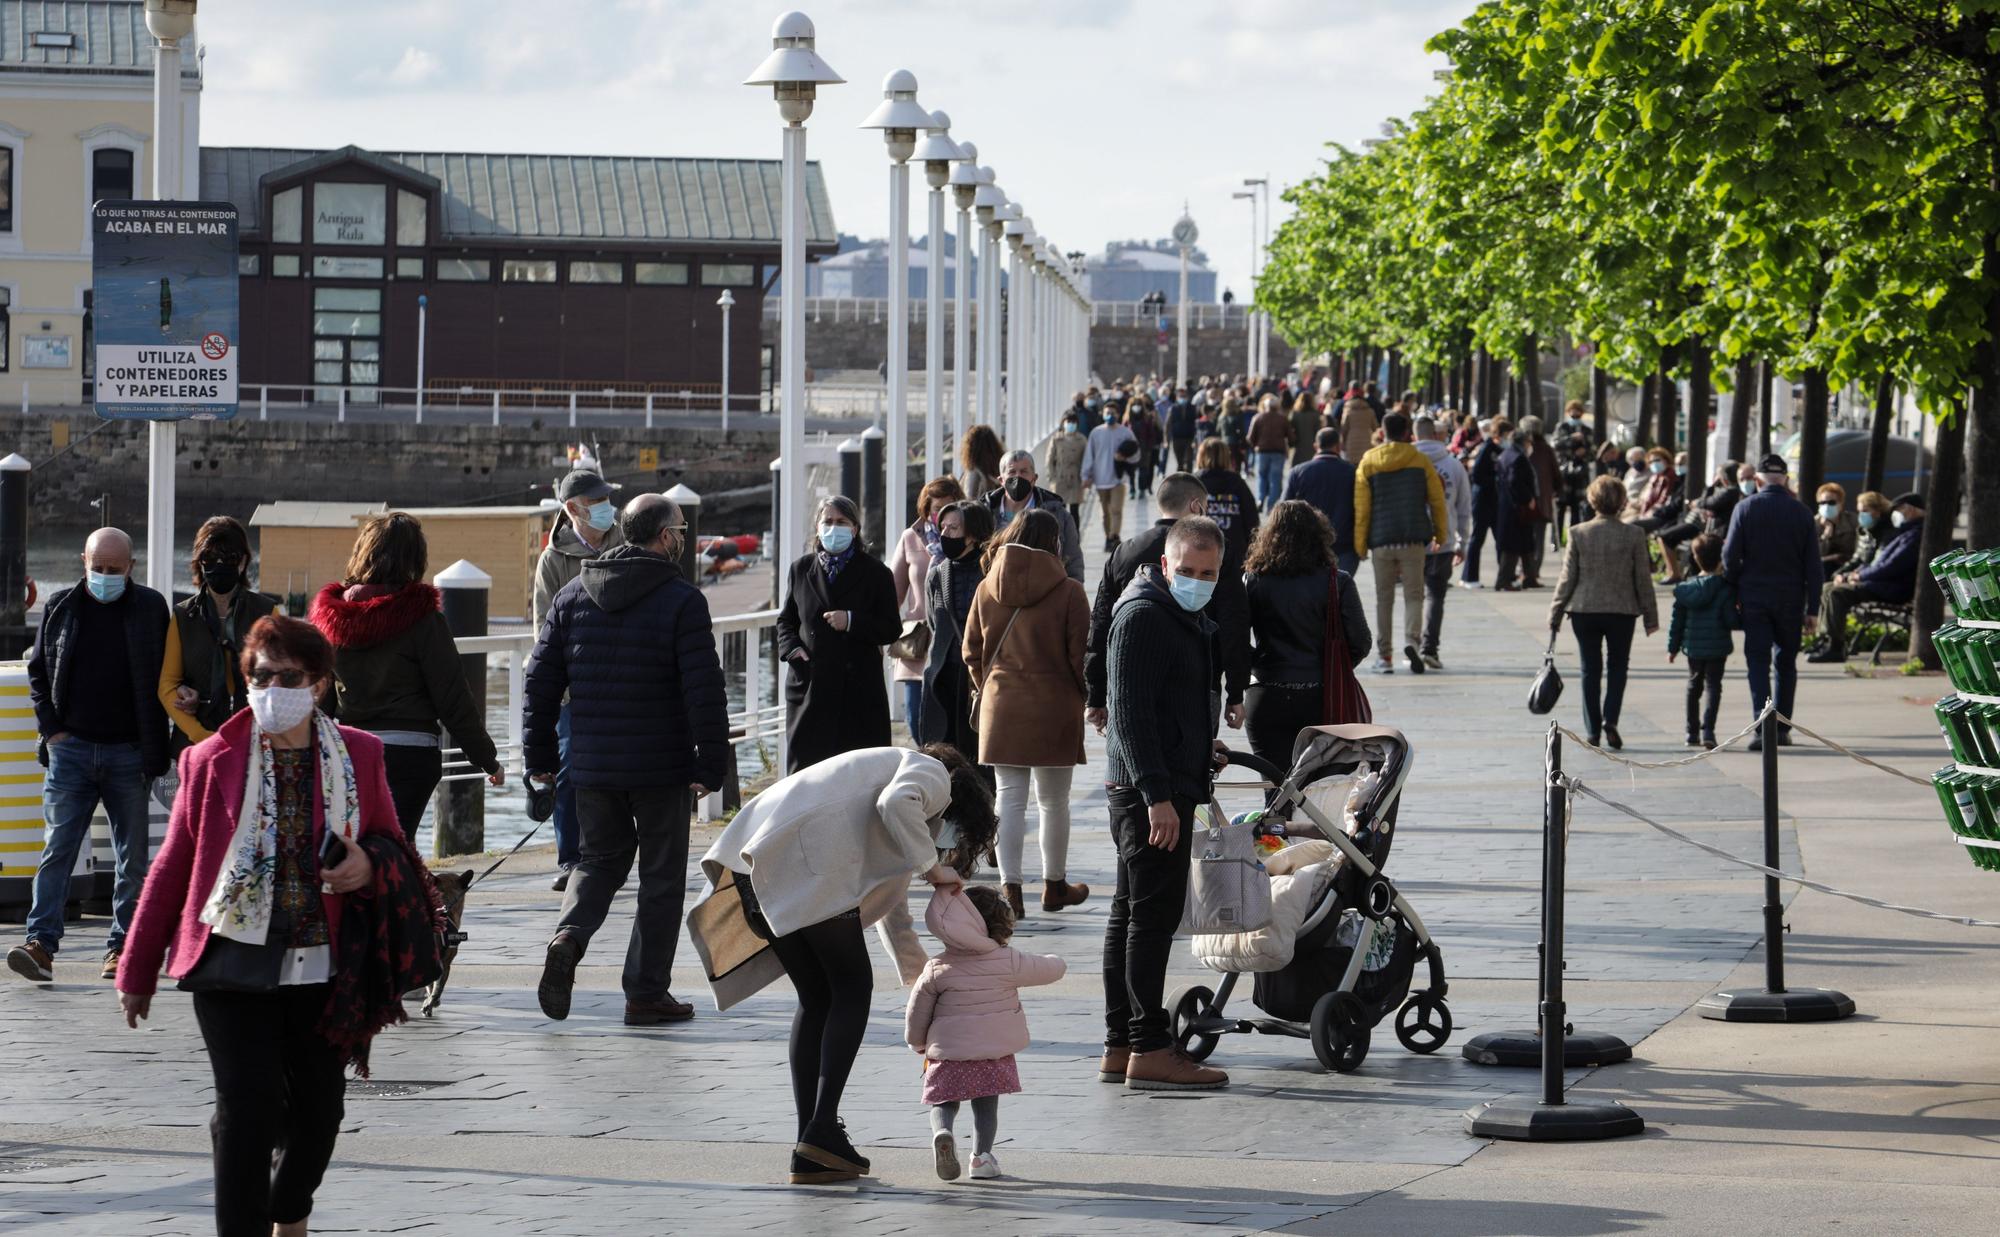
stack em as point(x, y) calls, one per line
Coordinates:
point(1769, 629)
point(81, 775)
point(913, 705)
point(568, 849)
point(1270, 476)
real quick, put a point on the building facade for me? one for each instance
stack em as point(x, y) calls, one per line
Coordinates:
point(76, 126)
point(1133, 270)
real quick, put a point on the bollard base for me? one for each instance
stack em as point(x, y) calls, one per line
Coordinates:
point(1528, 1121)
point(1523, 1049)
point(1791, 1005)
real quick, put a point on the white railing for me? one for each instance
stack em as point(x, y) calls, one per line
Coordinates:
point(874, 310)
point(489, 404)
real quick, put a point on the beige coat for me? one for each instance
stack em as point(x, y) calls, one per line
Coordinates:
point(1606, 571)
point(1065, 466)
point(1357, 430)
point(910, 563)
point(1031, 708)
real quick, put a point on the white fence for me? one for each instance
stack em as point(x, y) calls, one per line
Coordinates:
point(873, 310)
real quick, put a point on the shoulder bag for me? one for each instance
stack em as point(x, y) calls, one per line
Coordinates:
point(1548, 685)
point(979, 688)
point(1229, 891)
point(915, 642)
point(1343, 702)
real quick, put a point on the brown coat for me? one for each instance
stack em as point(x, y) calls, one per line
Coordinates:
point(1357, 430)
point(1031, 708)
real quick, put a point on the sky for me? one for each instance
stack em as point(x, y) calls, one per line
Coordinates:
point(1100, 116)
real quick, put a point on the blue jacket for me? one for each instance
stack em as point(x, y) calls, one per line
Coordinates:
point(1704, 611)
point(1772, 552)
point(1180, 421)
point(629, 641)
point(1327, 482)
point(1893, 574)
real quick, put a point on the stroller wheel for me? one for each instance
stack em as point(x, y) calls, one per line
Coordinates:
point(1339, 1039)
point(1190, 1007)
point(1424, 1023)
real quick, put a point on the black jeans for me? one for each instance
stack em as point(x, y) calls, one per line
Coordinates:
point(613, 827)
point(1481, 526)
point(1769, 630)
point(1273, 717)
point(1604, 643)
point(1704, 676)
point(279, 1100)
point(414, 773)
point(1437, 586)
point(1183, 455)
point(1145, 911)
point(828, 965)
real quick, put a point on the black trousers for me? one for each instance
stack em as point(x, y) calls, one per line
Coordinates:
point(1145, 910)
point(1604, 645)
point(1273, 717)
point(1437, 586)
point(1183, 455)
point(414, 773)
point(279, 1099)
point(1481, 526)
point(1704, 677)
point(1771, 638)
point(615, 826)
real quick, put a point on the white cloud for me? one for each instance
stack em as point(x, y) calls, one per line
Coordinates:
point(415, 68)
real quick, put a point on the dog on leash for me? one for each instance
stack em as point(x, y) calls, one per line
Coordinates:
point(452, 886)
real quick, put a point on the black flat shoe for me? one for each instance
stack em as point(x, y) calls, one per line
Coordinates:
point(831, 1148)
point(1611, 739)
point(805, 1172)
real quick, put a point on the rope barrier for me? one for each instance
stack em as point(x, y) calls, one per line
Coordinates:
point(1678, 762)
point(1576, 787)
point(1853, 755)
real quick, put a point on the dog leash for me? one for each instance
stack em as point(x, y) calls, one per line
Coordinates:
point(509, 855)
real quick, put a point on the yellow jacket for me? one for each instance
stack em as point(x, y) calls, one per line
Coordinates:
point(1402, 499)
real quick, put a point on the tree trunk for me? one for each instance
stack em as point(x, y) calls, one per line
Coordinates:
point(1489, 385)
point(1942, 505)
point(1701, 363)
point(1812, 436)
point(1982, 529)
point(1531, 375)
point(1649, 395)
point(1878, 434)
point(1741, 400)
point(1767, 386)
point(1600, 402)
point(1667, 409)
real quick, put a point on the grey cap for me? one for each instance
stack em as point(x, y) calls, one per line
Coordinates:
point(583, 483)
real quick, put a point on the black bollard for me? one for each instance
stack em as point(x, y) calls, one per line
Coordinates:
point(1775, 1003)
point(689, 503)
point(851, 465)
point(461, 805)
point(15, 635)
point(874, 496)
point(1554, 1119)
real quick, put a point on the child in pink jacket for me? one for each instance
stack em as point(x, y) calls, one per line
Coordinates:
point(965, 1016)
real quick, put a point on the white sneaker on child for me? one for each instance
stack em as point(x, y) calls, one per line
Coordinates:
point(945, 1148)
point(985, 1166)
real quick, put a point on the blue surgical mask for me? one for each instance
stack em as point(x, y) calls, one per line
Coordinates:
point(104, 586)
point(835, 538)
point(601, 516)
point(1069, 427)
point(1657, 467)
point(1750, 487)
point(1189, 593)
point(1867, 519)
point(1829, 511)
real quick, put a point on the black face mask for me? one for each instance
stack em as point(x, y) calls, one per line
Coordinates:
point(1018, 488)
point(222, 577)
point(953, 547)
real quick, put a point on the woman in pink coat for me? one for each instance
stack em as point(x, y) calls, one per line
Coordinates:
point(245, 917)
point(965, 1016)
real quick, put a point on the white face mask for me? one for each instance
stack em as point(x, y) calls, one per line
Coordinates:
point(278, 709)
point(1897, 518)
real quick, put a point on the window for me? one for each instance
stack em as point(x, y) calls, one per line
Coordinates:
point(660, 272)
point(330, 267)
point(285, 207)
point(409, 268)
point(246, 263)
point(346, 214)
point(6, 299)
point(528, 270)
point(728, 274)
point(110, 175)
point(347, 342)
point(596, 272)
point(464, 270)
point(285, 266)
point(6, 188)
point(413, 212)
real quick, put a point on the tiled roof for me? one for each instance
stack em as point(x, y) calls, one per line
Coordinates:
point(109, 36)
point(559, 197)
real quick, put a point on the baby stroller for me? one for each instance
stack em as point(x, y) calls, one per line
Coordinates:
point(1343, 943)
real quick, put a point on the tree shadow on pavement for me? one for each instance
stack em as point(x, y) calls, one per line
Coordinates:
point(1393, 1213)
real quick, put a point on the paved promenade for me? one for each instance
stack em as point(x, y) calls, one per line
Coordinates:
point(489, 1118)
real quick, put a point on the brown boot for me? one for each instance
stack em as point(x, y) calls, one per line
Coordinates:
point(1112, 1067)
point(1059, 894)
point(1170, 1069)
point(652, 1013)
point(32, 960)
point(1014, 902)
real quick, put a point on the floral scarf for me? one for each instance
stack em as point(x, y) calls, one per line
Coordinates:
point(239, 907)
point(832, 563)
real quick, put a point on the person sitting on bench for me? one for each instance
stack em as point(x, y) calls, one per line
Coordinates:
point(1891, 578)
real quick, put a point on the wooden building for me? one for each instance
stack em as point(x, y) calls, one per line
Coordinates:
point(566, 272)
point(301, 547)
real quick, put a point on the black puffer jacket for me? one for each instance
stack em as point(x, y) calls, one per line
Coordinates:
point(629, 639)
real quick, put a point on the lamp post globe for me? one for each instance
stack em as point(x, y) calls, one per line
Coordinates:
point(898, 116)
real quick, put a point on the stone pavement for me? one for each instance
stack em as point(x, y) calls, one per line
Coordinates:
point(491, 1117)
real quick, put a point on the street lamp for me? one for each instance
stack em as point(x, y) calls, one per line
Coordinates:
point(794, 72)
point(1016, 228)
point(898, 117)
point(168, 21)
point(987, 203)
point(1185, 235)
point(938, 153)
point(964, 188)
point(726, 301)
point(1261, 185)
point(1250, 320)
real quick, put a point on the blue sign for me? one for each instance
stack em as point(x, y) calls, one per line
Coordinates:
point(164, 310)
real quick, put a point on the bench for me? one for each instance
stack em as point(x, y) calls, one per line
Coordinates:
point(1889, 615)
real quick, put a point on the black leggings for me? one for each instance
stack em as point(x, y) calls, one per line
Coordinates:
point(414, 774)
point(829, 968)
point(1604, 646)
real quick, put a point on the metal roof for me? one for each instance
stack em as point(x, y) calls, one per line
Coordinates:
point(556, 197)
point(109, 35)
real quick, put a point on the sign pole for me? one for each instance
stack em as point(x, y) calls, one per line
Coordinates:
point(163, 437)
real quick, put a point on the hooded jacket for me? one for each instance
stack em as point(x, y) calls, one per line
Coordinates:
point(396, 667)
point(1032, 699)
point(1704, 610)
point(966, 1006)
point(1162, 674)
point(562, 559)
point(1398, 499)
point(629, 640)
point(1057, 506)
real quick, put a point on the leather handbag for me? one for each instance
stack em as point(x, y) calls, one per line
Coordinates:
point(1343, 702)
point(229, 965)
point(1548, 685)
point(915, 642)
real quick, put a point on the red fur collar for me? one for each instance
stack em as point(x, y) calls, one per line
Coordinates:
point(358, 624)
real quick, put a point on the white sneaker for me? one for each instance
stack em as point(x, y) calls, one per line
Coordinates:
point(985, 1166)
point(1383, 666)
point(945, 1148)
point(1470, 584)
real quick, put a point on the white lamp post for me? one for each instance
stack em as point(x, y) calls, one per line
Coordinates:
point(899, 118)
point(726, 302)
point(986, 205)
point(964, 188)
point(1015, 228)
point(794, 72)
point(168, 21)
point(938, 153)
point(1261, 185)
point(1185, 235)
point(1250, 315)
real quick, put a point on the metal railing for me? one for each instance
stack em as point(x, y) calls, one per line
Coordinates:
point(874, 310)
point(491, 401)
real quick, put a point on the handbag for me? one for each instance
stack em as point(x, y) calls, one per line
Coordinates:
point(229, 965)
point(979, 688)
point(1343, 702)
point(1228, 889)
point(915, 642)
point(1548, 685)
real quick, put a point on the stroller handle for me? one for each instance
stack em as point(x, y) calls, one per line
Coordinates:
point(1256, 764)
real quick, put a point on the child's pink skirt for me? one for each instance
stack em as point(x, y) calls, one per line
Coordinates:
point(947, 1082)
